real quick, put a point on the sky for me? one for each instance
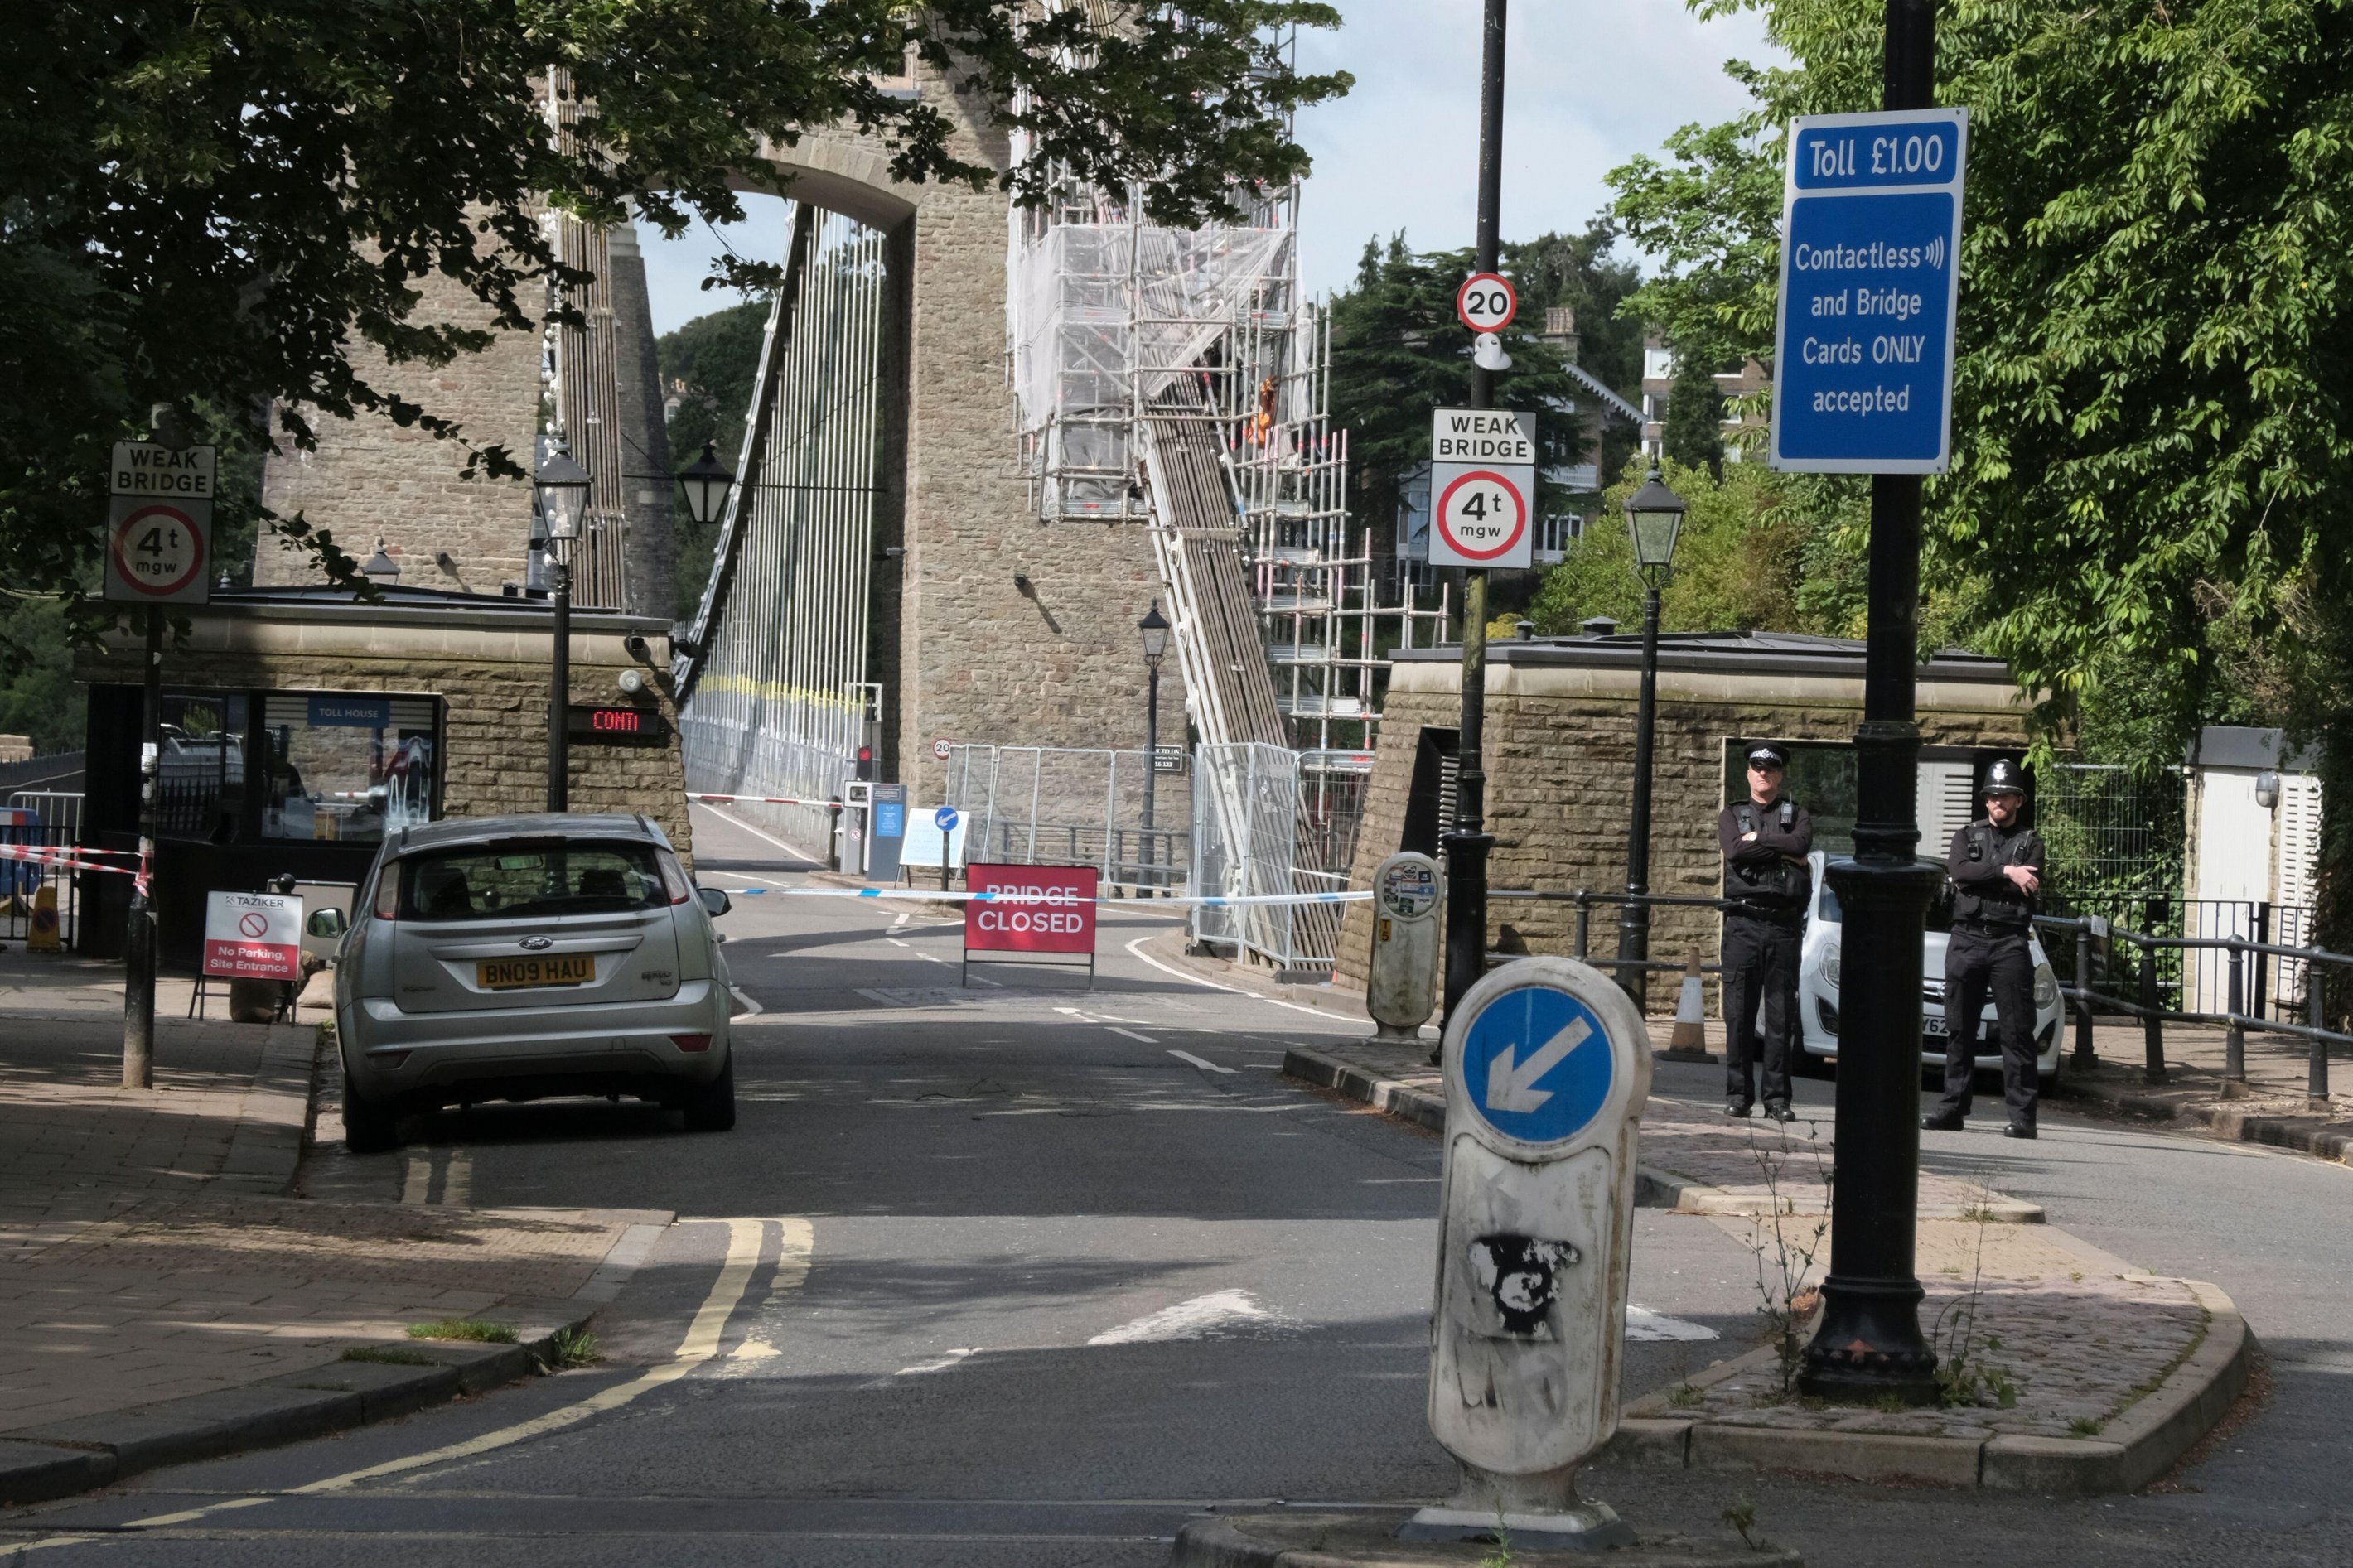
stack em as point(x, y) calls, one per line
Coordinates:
point(1586, 85)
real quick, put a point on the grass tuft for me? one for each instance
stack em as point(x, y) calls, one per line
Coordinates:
point(470, 1328)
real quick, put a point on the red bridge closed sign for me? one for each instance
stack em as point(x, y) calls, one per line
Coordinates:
point(1031, 909)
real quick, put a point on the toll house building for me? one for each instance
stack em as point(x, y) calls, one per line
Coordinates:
point(1559, 753)
point(301, 726)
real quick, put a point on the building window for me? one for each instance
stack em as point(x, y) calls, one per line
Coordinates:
point(200, 770)
point(345, 766)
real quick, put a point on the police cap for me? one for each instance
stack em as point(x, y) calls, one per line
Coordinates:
point(1766, 755)
point(2004, 777)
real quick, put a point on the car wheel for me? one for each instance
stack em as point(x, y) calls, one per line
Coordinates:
point(370, 1126)
point(710, 1107)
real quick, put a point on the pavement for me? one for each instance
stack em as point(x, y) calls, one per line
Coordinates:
point(1030, 1274)
point(164, 1291)
point(2083, 1372)
point(2271, 1106)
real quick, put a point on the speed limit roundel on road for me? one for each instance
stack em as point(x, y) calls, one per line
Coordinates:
point(155, 551)
point(1485, 302)
point(1482, 518)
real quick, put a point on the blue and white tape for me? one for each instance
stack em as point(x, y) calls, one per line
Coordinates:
point(986, 897)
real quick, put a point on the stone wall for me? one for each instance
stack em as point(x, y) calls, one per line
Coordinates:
point(489, 667)
point(371, 479)
point(1559, 752)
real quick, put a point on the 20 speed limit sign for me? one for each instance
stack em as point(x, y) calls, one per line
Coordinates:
point(1485, 302)
point(1482, 518)
point(156, 551)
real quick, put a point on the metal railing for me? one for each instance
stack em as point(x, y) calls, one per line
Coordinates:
point(2244, 960)
point(21, 881)
point(1633, 973)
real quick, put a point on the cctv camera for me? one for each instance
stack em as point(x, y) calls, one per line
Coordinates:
point(635, 645)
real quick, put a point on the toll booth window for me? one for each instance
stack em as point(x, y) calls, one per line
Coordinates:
point(201, 765)
point(345, 766)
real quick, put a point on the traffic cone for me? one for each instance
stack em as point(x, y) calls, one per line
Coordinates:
point(1689, 1042)
point(42, 935)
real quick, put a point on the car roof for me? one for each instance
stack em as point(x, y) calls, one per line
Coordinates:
point(462, 830)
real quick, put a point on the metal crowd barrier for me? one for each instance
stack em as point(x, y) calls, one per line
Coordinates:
point(2236, 1020)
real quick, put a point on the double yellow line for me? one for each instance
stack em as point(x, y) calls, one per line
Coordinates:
point(795, 1242)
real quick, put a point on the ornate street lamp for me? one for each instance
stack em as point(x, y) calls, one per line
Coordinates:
point(1654, 515)
point(379, 568)
point(1155, 628)
point(704, 486)
point(562, 486)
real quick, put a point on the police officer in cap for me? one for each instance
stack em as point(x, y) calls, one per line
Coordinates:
point(1765, 840)
point(1996, 863)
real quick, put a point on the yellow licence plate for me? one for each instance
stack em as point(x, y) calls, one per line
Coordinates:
point(515, 974)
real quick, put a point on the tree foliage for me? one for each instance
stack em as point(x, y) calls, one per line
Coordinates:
point(214, 205)
point(709, 364)
point(1693, 434)
point(2152, 459)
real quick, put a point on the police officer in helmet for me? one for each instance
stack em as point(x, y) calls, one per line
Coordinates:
point(1765, 840)
point(1996, 863)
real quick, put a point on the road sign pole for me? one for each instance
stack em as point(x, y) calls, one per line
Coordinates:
point(1869, 1346)
point(1467, 845)
point(139, 936)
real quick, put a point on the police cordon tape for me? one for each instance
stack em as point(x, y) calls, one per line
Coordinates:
point(998, 898)
point(78, 858)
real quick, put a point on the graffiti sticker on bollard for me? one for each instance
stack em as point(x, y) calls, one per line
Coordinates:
point(1548, 1067)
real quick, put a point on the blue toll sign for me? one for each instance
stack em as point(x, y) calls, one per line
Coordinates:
point(1862, 362)
point(944, 819)
point(1536, 1065)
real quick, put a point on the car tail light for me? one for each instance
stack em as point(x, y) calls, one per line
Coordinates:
point(387, 894)
point(676, 888)
point(690, 1042)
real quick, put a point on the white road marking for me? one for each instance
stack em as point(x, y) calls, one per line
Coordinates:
point(701, 1345)
point(941, 1365)
point(1213, 985)
point(928, 957)
point(1193, 1320)
point(900, 921)
point(751, 1008)
point(1642, 1324)
point(1197, 1061)
point(894, 941)
point(457, 1179)
point(1131, 1035)
point(734, 821)
point(417, 1180)
point(985, 979)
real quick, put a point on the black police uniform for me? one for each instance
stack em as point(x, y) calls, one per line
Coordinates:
point(1768, 881)
point(1991, 920)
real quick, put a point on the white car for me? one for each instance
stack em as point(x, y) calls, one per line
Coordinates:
point(516, 957)
point(1818, 986)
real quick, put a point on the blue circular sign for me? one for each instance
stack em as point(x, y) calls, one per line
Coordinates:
point(1537, 1065)
point(944, 818)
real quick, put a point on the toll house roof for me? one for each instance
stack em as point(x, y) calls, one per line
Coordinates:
point(1753, 653)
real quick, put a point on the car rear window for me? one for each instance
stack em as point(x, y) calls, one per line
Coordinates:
point(531, 878)
point(1940, 906)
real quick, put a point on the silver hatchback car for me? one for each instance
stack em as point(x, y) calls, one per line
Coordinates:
point(517, 957)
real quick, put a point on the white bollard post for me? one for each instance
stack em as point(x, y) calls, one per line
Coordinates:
point(1401, 981)
point(1547, 1068)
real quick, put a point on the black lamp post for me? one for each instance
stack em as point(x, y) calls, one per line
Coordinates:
point(1869, 1347)
point(1155, 628)
point(704, 485)
point(562, 487)
point(1654, 514)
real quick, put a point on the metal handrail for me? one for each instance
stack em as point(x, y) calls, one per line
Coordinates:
point(2235, 1021)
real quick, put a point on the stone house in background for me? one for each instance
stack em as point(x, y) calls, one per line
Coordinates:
point(1560, 764)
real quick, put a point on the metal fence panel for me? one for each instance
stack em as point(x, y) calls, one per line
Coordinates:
point(1071, 806)
point(1249, 811)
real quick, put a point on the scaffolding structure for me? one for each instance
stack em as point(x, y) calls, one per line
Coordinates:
point(1175, 379)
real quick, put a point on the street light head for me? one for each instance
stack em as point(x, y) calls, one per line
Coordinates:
point(1654, 514)
point(1156, 629)
point(562, 488)
point(704, 486)
point(380, 568)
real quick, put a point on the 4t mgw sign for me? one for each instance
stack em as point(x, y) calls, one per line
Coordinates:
point(159, 524)
point(1483, 486)
point(1031, 909)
